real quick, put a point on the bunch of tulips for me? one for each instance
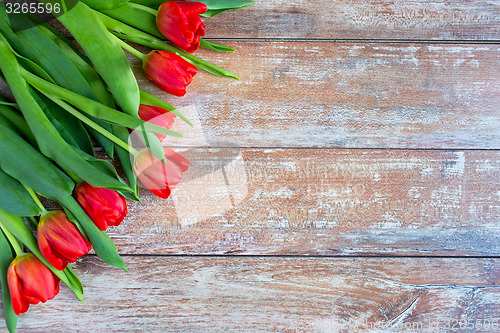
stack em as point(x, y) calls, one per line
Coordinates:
point(65, 101)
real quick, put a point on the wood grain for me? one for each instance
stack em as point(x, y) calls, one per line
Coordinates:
point(408, 94)
point(318, 201)
point(190, 294)
point(396, 20)
point(347, 95)
point(361, 19)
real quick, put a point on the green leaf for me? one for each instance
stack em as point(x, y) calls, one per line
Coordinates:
point(20, 230)
point(73, 219)
point(72, 131)
point(18, 121)
point(103, 245)
point(149, 3)
point(35, 45)
point(70, 124)
point(212, 12)
point(124, 157)
point(71, 275)
point(96, 84)
point(225, 4)
point(150, 99)
point(134, 35)
point(4, 101)
point(216, 47)
point(24, 163)
point(122, 20)
point(64, 123)
point(14, 198)
point(140, 19)
point(94, 108)
point(112, 64)
point(212, 5)
point(109, 169)
point(104, 4)
point(216, 7)
point(6, 257)
point(49, 141)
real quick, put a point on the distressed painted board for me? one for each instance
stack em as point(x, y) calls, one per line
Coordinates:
point(347, 95)
point(417, 20)
point(323, 201)
point(196, 294)
point(361, 19)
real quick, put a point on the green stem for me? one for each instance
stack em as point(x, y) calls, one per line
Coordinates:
point(129, 48)
point(143, 8)
point(92, 124)
point(73, 176)
point(12, 240)
point(35, 198)
point(33, 221)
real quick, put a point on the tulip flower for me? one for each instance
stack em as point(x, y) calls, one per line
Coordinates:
point(180, 23)
point(169, 72)
point(157, 116)
point(59, 239)
point(104, 206)
point(30, 282)
point(158, 177)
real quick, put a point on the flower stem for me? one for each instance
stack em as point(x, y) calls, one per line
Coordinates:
point(35, 198)
point(12, 239)
point(130, 49)
point(33, 221)
point(143, 8)
point(92, 124)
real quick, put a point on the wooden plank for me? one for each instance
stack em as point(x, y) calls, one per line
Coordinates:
point(361, 19)
point(162, 294)
point(421, 20)
point(346, 95)
point(327, 202)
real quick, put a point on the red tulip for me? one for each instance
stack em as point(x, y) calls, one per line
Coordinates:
point(59, 239)
point(158, 177)
point(30, 282)
point(157, 116)
point(179, 22)
point(104, 206)
point(169, 72)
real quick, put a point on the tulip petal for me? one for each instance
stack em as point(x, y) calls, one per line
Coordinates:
point(30, 282)
point(180, 22)
point(160, 178)
point(18, 303)
point(169, 72)
point(192, 7)
point(104, 206)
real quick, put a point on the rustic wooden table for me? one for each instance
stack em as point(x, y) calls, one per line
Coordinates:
point(349, 182)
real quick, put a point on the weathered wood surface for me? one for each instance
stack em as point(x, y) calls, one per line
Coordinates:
point(362, 19)
point(397, 20)
point(317, 201)
point(409, 88)
point(196, 294)
point(347, 95)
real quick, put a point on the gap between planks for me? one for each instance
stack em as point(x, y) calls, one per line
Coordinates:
point(345, 40)
point(322, 202)
point(347, 95)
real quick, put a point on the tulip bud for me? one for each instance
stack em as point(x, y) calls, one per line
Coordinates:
point(30, 282)
point(169, 72)
point(104, 206)
point(157, 116)
point(59, 239)
point(158, 177)
point(179, 22)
